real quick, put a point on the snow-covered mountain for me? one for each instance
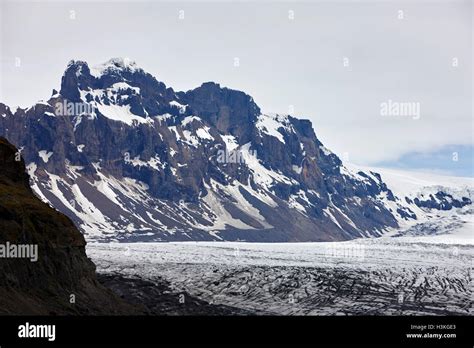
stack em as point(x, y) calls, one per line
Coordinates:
point(440, 202)
point(130, 159)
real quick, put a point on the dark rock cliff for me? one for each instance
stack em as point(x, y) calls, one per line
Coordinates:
point(62, 271)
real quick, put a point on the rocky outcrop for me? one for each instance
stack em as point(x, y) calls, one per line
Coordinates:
point(62, 279)
point(441, 201)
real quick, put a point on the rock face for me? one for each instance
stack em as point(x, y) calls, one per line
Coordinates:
point(62, 269)
point(128, 158)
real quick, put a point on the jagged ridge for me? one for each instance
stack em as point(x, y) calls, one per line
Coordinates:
point(143, 162)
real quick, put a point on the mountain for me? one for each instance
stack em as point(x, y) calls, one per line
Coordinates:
point(43, 280)
point(427, 190)
point(129, 159)
point(440, 202)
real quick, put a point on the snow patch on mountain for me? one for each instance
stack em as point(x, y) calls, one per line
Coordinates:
point(230, 142)
point(122, 114)
point(261, 174)
point(203, 133)
point(45, 155)
point(270, 124)
point(114, 65)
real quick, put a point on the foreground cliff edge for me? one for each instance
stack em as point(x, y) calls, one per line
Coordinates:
point(44, 269)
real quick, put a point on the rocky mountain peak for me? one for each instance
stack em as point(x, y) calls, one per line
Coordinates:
point(144, 162)
point(76, 76)
point(118, 81)
point(115, 65)
point(230, 111)
point(227, 109)
point(112, 66)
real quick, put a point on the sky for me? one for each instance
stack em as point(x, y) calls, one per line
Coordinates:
point(336, 63)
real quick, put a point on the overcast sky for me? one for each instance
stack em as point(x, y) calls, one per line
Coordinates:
point(331, 62)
